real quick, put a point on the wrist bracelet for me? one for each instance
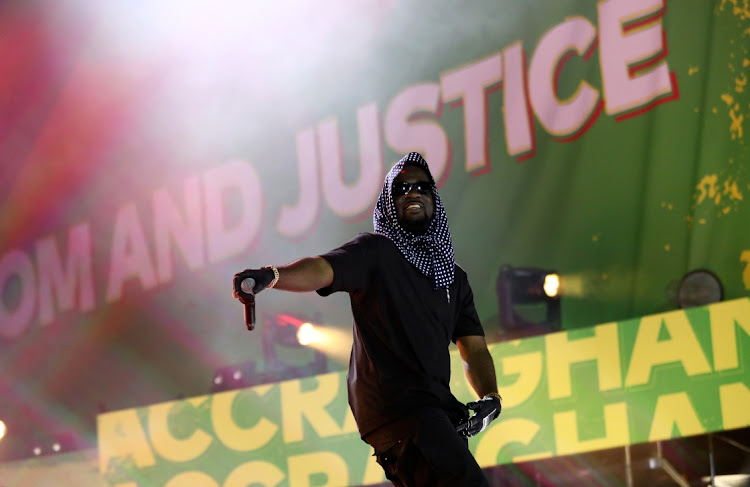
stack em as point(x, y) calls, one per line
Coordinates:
point(275, 276)
point(494, 395)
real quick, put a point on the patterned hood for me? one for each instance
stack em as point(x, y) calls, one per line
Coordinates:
point(431, 253)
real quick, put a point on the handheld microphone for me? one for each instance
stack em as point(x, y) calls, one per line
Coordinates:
point(246, 291)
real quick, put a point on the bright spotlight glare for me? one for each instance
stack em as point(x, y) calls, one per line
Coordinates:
point(3, 429)
point(307, 334)
point(330, 340)
point(551, 285)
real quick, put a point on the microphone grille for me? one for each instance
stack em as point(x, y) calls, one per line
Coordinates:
point(247, 285)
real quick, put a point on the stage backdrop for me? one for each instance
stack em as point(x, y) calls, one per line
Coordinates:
point(149, 153)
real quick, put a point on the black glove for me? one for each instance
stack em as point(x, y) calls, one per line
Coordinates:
point(485, 411)
point(262, 277)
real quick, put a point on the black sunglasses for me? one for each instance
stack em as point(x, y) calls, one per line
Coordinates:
point(402, 188)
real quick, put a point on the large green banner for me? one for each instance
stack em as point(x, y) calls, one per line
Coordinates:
point(662, 376)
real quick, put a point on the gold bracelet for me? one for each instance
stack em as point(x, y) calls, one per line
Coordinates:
point(494, 395)
point(275, 276)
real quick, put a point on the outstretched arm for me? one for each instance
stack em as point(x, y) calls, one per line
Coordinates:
point(307, 274)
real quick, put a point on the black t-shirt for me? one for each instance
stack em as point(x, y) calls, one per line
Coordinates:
point(402, 329)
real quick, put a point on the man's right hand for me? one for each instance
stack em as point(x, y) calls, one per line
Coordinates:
point(262, 278)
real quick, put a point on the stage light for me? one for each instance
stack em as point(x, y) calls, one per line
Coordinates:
point(232, 377)
point(36, 443)
point(334, 342)
point(284, 336)
point(551, 285)
point(327, 341)
point(307, 334)
point(699, 288)
point(529, 300)
point(283, 329)
point(292, 347)
point(3, 429)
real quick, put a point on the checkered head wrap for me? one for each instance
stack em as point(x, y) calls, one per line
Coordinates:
point(432, 252)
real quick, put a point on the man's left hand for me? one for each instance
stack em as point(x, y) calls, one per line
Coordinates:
point(485, 411)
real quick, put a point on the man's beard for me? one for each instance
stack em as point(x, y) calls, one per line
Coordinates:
point(418, 227)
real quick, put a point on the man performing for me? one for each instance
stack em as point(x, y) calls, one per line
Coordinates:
point(409, 300)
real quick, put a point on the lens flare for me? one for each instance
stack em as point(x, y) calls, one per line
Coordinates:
point(332, 341)
point(307, 334)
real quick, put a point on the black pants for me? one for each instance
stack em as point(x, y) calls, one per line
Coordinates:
point(430, 453)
